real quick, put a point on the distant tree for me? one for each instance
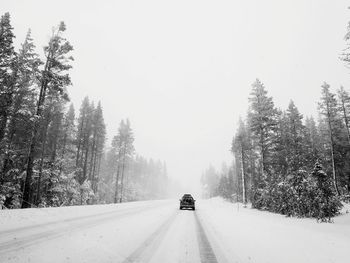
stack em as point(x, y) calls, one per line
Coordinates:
point(123, 143)
point(98, 140)
point(210, 180)
point(84, 142)
point(240, 146)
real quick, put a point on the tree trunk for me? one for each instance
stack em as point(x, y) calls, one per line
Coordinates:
point(122, 179)
point(94, 164)
point(243, 178)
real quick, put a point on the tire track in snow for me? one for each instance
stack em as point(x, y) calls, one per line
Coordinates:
point(145, 251)
point(59, 228)
point(206, 252)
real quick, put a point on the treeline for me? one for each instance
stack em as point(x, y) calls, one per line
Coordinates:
point(126, 176)
point(285, 163)
point(48, 155)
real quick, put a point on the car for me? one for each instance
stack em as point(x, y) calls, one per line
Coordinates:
point(187, 201)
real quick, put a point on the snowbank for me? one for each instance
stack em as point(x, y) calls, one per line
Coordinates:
point(259, 236)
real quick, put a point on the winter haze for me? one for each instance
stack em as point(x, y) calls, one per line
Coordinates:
point(181, 71)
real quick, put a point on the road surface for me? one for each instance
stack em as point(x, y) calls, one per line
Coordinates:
point(155, 231)
point(158, 232)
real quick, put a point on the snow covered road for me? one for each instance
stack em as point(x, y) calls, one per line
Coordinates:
point(156, 231)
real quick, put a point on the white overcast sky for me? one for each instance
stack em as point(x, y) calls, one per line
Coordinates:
point(182, 70)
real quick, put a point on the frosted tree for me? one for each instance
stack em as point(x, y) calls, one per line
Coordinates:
point(19, 103)
point(262, 122)
point(240, 146)
point(325, 204)
point(54, 77)
point(124, 145)
point(313, 141)
point(7, 61)
point(295, 138)
point(328, 108)
point(97, 147)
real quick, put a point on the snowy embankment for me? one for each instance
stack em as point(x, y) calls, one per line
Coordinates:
point(250, 235)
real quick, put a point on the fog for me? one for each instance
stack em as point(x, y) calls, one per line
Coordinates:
point(181, 71)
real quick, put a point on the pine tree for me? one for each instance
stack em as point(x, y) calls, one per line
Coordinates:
point(295, 138)
point(25, 70)
point(17, 119)
point(98, 140)
point(325, 202)
point(7, 58)
point(54, 77)
point(280, 148)
point(262, 122)
point(125, 149)
point(240, 146)
point(328, 108)
point(313, 142)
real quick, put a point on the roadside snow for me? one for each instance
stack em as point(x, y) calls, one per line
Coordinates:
point(18, 218)
point(95, 233)
point(249, 235)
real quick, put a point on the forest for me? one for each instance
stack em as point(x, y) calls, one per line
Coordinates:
point(285, 162)
point(51, 155)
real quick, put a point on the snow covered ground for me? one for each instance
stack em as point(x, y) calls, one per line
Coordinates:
point(156, 231)
point(249, 235)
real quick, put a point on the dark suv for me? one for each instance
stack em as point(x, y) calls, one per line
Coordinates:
point(187, 201)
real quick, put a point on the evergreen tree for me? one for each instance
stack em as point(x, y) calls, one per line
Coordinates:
point(240, 146)
point(326, 203)
point(98, 140)
point(328, 108)
point(123, 143)
point(295, 139)
point(17, 118)
point(313, 142)
point(54, 77)
point(7, 59)
point(262, 122)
